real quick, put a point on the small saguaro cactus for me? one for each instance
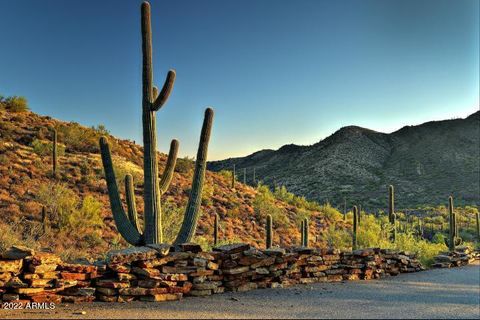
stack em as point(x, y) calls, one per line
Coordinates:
point(269, 232)
point(477, 220)
point(44, 220)
point(453, 239)
point(154, 187)
point(305, 232)
point(354, 233)
point(54, 152)
point(302, 233)
point(215, 229)
point(392, 217)
point(233, 177)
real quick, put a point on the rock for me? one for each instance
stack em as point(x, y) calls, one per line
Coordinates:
point(13, 266)
point(134, 291)
point(275, 251)
point(45, 258)
point(88, 291)
point(42, 268)
point(232, 248)
point(236, 270)
point(131, 254)
point(162, 297)
point(162, 248)
point(18, 252)
point(189, 247)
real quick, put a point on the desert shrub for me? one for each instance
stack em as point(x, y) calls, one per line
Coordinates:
point(82, 139)
point(185, 165)
point(330, 212)
point(226, 174)
point(64, 208)
point(301, 215)
point(281, 193)
point(264, 204)
point(14, 104)
point(172, 217)
point(207, 194)
point(122, 168)
point(339, 238)
point(45, 148)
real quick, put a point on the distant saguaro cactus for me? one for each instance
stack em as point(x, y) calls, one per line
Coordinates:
point(344, 209)
point(254, 178)
point(54, 152)
point(359, 215)
point(215, 229)
point(477, 220)
point(454, 239)
point(269, 232)
point(392, 217)
point(233, 177)
point(302, 233)
point(354, 233)
point(244, 175)
point(44, 220)
point(306, 232)
point(152, 101)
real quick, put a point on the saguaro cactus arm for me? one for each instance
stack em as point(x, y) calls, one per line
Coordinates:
point(131, 206)
point(124, 226)
point(159, 99)
point(169, 167)
point(189, 225)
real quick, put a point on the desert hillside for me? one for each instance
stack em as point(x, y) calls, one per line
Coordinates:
point(78, 220)
point(425, 163)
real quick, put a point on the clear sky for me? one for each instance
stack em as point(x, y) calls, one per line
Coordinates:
point(275, 71)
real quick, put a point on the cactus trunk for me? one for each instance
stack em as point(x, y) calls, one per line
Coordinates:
point(452, 229)
point(354, 233)
point(477, 220)
point(391, 213)
point(268, 232)
point(54, 152)
point(215, 229)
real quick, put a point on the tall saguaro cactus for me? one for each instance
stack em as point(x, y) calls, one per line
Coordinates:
point(268, 232)
point(392, 217)
point(54, 152)
point(154, 187)
point(215, 229)
point(477, 220)
point(355, 226)
point(306, 239)
point(452, 225)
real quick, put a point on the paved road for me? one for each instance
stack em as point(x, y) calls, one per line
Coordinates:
point(441, 293)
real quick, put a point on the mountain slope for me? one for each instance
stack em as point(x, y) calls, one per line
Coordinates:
point(25, 171)
point(426, 163)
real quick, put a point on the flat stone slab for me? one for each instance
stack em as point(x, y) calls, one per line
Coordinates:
point(131, 254)
point(232, 248)
point(18, 252)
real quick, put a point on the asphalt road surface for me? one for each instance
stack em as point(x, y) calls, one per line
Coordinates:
point(440, 293)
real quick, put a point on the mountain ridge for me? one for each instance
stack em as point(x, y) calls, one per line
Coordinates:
point(358, 163)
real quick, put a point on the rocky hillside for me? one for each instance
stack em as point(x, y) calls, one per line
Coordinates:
point(26, 185)
point(426, 163)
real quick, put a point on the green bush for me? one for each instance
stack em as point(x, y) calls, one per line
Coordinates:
point(185, 165)
point(264, 204)
point(14, 104)
point(44, 148)
point(172, 217)
point(81, 139)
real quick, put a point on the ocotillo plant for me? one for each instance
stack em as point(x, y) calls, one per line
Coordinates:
point(215, 229)
point(233, 177)
point(54, 152)
point(305, 232)
point(152, 101)
point(268, 232)
point(391, 212)
point(354, 233)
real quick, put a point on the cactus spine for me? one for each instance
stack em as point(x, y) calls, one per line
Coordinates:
point(215, 229)
point(152, 101)
point(54, 152)
point(354, 234)
point(305, 232)
point(392, 217)
point(269, 232)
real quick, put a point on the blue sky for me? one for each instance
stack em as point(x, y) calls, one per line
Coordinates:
point(276, 72)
